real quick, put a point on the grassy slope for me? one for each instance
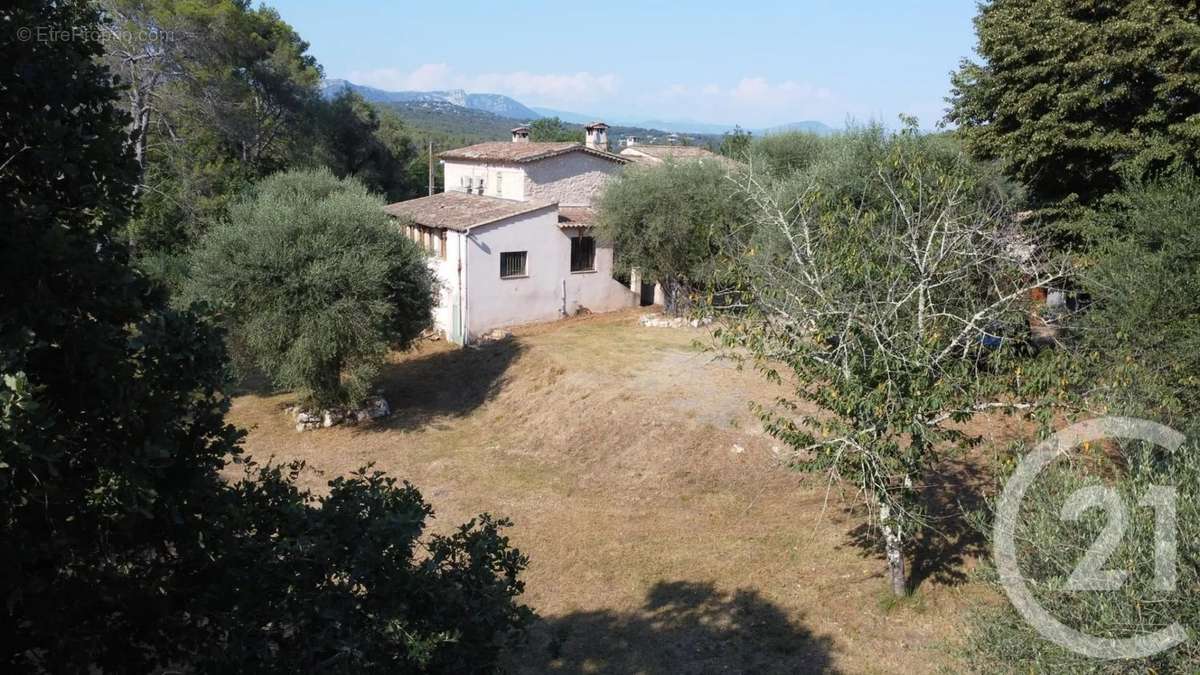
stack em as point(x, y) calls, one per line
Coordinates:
point(664, 535)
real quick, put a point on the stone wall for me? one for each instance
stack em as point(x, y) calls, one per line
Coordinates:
point(573, 179)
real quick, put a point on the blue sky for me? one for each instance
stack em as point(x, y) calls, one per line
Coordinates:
point(751, 63)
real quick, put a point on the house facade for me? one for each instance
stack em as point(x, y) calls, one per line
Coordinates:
point(511, 238)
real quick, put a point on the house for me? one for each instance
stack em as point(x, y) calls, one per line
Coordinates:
point(511, 238)
point(658, 154)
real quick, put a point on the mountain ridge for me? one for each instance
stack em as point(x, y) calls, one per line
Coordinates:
point(508, 107)
point(497, 104)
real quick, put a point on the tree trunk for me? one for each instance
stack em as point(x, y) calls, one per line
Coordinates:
point(894, 548)
point(675, 300)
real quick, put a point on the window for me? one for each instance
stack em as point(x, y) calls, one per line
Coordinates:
point(432, 239)
point(512, 264)
point(583, 254)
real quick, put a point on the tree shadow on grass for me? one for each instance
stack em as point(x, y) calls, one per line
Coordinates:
point(443, 384)
point(942, 552)
point(683, 627)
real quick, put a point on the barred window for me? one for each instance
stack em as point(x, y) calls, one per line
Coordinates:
point(583, 254)
point(512, 264)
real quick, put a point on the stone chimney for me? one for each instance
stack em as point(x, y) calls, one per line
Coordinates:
point(520, 134)
point(597, 136)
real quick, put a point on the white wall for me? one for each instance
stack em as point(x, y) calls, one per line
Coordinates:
point(447, 277)
point(499, 180)
point(493, 302)
point(571, 179)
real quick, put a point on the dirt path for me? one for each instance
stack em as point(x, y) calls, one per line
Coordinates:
point(664, 536)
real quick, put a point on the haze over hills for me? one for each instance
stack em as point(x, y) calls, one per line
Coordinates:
point(507, 107)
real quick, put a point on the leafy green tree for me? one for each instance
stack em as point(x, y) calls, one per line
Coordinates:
point(668, 222)
point(124, 549)
point(552, 129)
point(736, 144)
point(884, 304)
point(356, 142)
point(220, 94)
point(314, 283)
point(1073, 97)
point(1140, 336)
point(111, 427)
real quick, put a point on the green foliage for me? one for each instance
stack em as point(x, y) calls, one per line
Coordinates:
point(1072, 97)
point(1133, 352)
point(552, 129)
point(371, 145)
point(1049, 549)
point(111, 427)
point(872, 283)
point(792, 151)
point(124, 549)
point(1141, 336)
point(360, 587)
point(221, 94)
point(735, 144)
point(668, 222)
point(315, 283)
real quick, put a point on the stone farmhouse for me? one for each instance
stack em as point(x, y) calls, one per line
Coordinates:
point(511, 237)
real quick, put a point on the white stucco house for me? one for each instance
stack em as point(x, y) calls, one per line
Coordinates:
point(511, 238)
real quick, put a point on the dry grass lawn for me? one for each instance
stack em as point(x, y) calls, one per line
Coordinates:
point(664, 536)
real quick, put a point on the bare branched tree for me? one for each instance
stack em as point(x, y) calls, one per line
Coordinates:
point(893, 307)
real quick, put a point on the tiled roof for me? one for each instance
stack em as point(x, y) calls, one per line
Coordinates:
point(665, 152)
point(460, 210)
point(576, 216)
point(504, 151)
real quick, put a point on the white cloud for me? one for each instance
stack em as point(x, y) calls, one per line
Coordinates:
point(554, 89)
point(752, 101)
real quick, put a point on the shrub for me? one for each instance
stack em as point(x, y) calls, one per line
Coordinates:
point(1048, 550)
point(348, 583)
point(1140, 338)
point(314, 283)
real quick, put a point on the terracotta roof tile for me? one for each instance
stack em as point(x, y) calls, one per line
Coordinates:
point(505, 151)
point(662, 153)
point(576, 216)
point(460, 210)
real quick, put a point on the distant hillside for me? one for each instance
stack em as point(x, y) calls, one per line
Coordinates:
point(450, 125)
point(514, 112)
point(496, 104)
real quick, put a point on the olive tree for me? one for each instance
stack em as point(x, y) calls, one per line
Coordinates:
point(668, 221)
point(126, 550)
point(314, 283)
point(886, 303)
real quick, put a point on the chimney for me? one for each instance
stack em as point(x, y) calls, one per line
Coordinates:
point(597, 136)
point(520, 134)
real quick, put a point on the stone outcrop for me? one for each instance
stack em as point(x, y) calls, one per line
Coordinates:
point(373, 408)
